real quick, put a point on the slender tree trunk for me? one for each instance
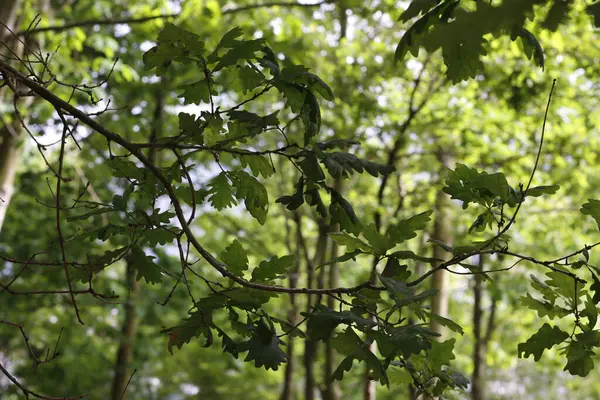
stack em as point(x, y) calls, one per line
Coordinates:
point(441, 232)
point(477, 384)
point(310, 347)
point(419, 270)
point(481, 340)
point(290, 367)
point(331, 390)
point(128, 335)
point(10, 133)
point(130, 322)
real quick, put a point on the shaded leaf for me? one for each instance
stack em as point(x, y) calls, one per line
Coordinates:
point(235, 257)
point(545, 338)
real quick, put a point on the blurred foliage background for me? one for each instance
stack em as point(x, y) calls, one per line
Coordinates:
point(407, 114)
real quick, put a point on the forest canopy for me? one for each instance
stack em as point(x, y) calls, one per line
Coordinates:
point(299, 200)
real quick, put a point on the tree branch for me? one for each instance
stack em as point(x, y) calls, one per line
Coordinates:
point(275, 4)
point(93, 22)
point(67, 108)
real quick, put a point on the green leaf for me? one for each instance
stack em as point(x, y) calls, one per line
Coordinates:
point(319, 86)
point(213, 129)
point(189, 125)
point(595, 287)
point(259, 165)
point(441, 353)
point(294, 94)
point(253, 193)
point(531, 46)
point(375, 366)
point(563, 284)
point(544, 308)
point(146, 268)
point(402, 294)
point(471, 186)
point(347, 342)
point(296, 200)
point(313, 198)
point(263, 348)
point(545, 338)
point(399, 376)
point(547, 292)
point(184, 193)
point(126, 169)
point(85, 274)
point(407, 229)
point(337, 143)
point(240, 51)
point(352, 243)
point(594, 11)
point(448, 323)
point(220, 192)
point(324, 320)
point(235, 257)
point(345, 365)
point(538, 191)
point(417, 7)
point(342, 213)
point(411, 38)
point(590, 312)
point(592, 208)
point(557, 14)
point(273, 268)
point(379, 242)
point(311, 117)
point(409, 255)
point(483, 221)
point(197, 92)
point(249, 78)
point(394, 270)
point(342, 164)
point(579, 359)
point(173, 33)
point(87, 215)
point(311, 168)
point(229, 39)
point(197, 324)
point(344, 257)
point(157, 236)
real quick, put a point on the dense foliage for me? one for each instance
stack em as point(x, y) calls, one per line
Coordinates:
point(248, 178)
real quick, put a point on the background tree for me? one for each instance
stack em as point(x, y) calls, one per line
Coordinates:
point(413, 116)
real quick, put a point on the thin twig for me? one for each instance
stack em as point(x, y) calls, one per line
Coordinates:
point(94, 22)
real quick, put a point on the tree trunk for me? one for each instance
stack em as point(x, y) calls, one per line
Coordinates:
point(128, 335)
point(481, 340)
point(290, 367)
point(331, 390)
point(419, 270)
point(477, 384)
point(310, 347)
point(130, 322)
point(9, 136)
point(441, 232)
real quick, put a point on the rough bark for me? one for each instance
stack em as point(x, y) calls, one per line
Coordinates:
point(443, 233)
